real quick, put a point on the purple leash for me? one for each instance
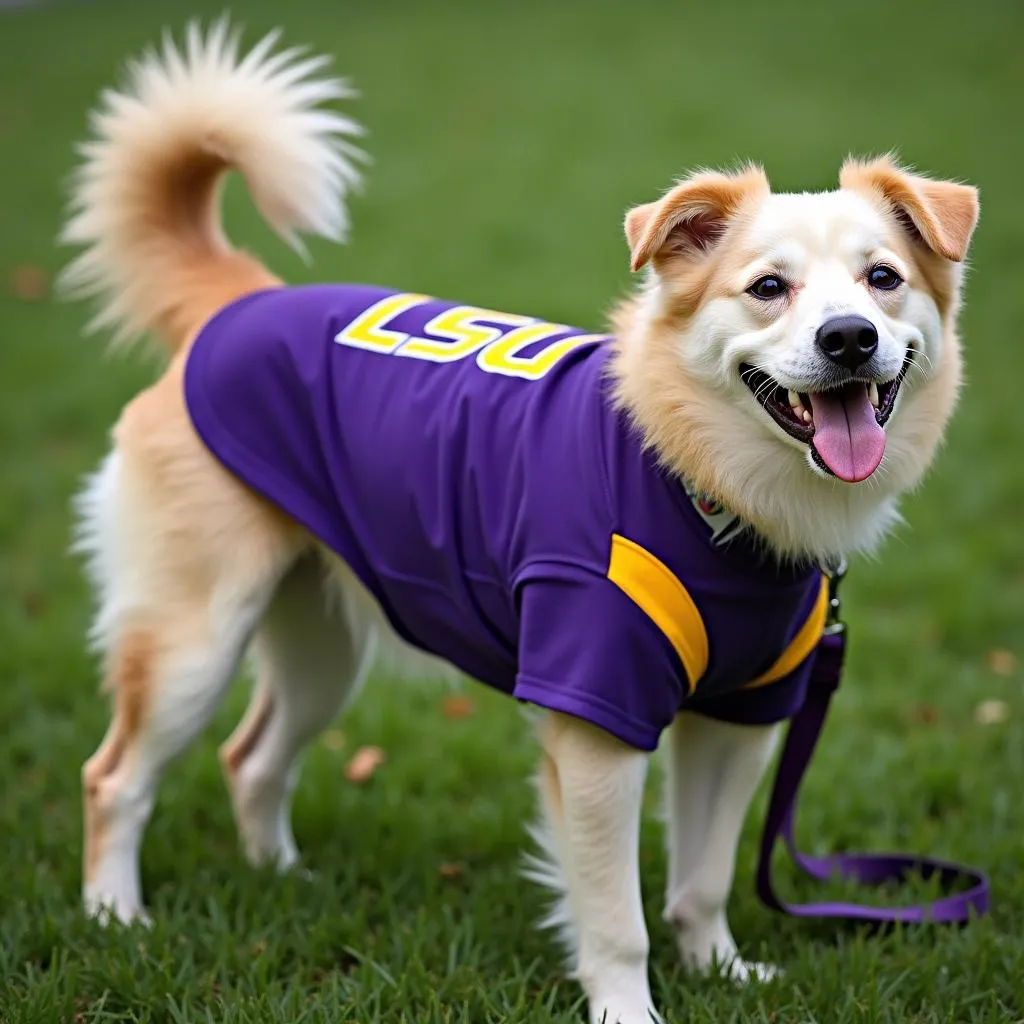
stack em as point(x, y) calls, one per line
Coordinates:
point(867, 868)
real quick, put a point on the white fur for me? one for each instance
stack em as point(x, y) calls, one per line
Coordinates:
point(98, 533)
point(314, 640)
point(592, 831)
point(823, 242)
point(545, 866)
point(712, 771)
point(261, 113)
point(312, 656)
point(193, 681)
point(392, 655)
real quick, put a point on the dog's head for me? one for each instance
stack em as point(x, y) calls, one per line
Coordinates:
point(796, 354)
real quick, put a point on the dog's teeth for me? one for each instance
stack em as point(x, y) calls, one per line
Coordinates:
point(796, 403)
point(873, 394)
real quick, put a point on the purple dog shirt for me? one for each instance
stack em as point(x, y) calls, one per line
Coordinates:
point(471, 469)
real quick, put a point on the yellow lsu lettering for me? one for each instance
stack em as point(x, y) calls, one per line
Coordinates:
point(500, 357)
point(367, 330)
point(461, 331)
point(459, 325)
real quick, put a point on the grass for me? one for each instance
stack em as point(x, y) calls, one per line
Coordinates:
point(507, 143)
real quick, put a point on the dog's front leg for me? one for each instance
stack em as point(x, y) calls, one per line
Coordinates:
point(712, 771)
point(591, 789)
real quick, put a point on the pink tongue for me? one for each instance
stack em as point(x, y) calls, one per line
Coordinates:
point(846, 434)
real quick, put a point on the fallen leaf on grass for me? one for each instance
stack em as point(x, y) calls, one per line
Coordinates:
point(925, 714)
point(457, 707)
point(28, 282)
point(1003, 663)
point(991, 712)
point(33, 602)
point(333, 739)
point(364, 763)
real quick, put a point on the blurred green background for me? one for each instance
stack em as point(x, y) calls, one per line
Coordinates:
point(508, 140)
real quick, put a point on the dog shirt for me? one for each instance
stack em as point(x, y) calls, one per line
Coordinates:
point(472, 470)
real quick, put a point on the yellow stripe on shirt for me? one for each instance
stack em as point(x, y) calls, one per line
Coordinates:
point(661, 595)
point(801, 645)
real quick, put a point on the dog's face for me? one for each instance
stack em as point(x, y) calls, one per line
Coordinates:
point(813, 334)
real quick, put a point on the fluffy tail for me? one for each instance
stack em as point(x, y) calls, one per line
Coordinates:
point(145, 202)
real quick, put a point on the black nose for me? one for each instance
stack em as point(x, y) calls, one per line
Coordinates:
point(849, 341)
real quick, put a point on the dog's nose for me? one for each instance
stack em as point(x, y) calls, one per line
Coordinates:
point(849, 341)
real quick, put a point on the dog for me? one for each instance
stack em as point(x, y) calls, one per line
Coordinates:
point(622, 530)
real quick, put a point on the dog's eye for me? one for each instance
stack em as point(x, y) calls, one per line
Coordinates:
point(884, 278)
point(768, 287)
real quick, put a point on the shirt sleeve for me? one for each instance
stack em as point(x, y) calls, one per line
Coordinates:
point(587, 650)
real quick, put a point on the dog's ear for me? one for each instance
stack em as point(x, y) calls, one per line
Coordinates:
point(939, 214)
point(689, 220)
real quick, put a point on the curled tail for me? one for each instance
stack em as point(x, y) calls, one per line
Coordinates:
point(145, 202)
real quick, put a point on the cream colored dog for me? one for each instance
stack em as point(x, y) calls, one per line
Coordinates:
point(762, 321)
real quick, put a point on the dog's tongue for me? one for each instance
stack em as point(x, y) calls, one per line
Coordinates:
point(846, 434)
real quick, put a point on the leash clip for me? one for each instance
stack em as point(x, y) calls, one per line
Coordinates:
point(835, 571)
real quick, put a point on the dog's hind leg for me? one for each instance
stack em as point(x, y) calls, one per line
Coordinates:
point(312, 650)
point(185, 561)
point(712, 771)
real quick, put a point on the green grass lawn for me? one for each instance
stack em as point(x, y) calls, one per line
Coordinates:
point(508, 140)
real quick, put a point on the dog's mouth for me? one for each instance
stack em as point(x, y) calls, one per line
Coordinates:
point(843, 425)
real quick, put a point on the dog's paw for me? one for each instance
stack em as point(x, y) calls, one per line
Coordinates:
point(613, 1012)
point(745, 972)
point(107, 912)
point(611, 1015)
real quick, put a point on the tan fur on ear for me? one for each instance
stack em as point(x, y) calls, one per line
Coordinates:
point(942, 213)
point(637, 221)
point(690, 218)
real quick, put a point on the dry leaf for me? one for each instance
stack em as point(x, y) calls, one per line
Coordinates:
point(457, 707)
point(450, 870)
point(333, 739)
point(925, 714)
point(991, 712)
point(364, 763)
point(28, 282)
point(1003, 663)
